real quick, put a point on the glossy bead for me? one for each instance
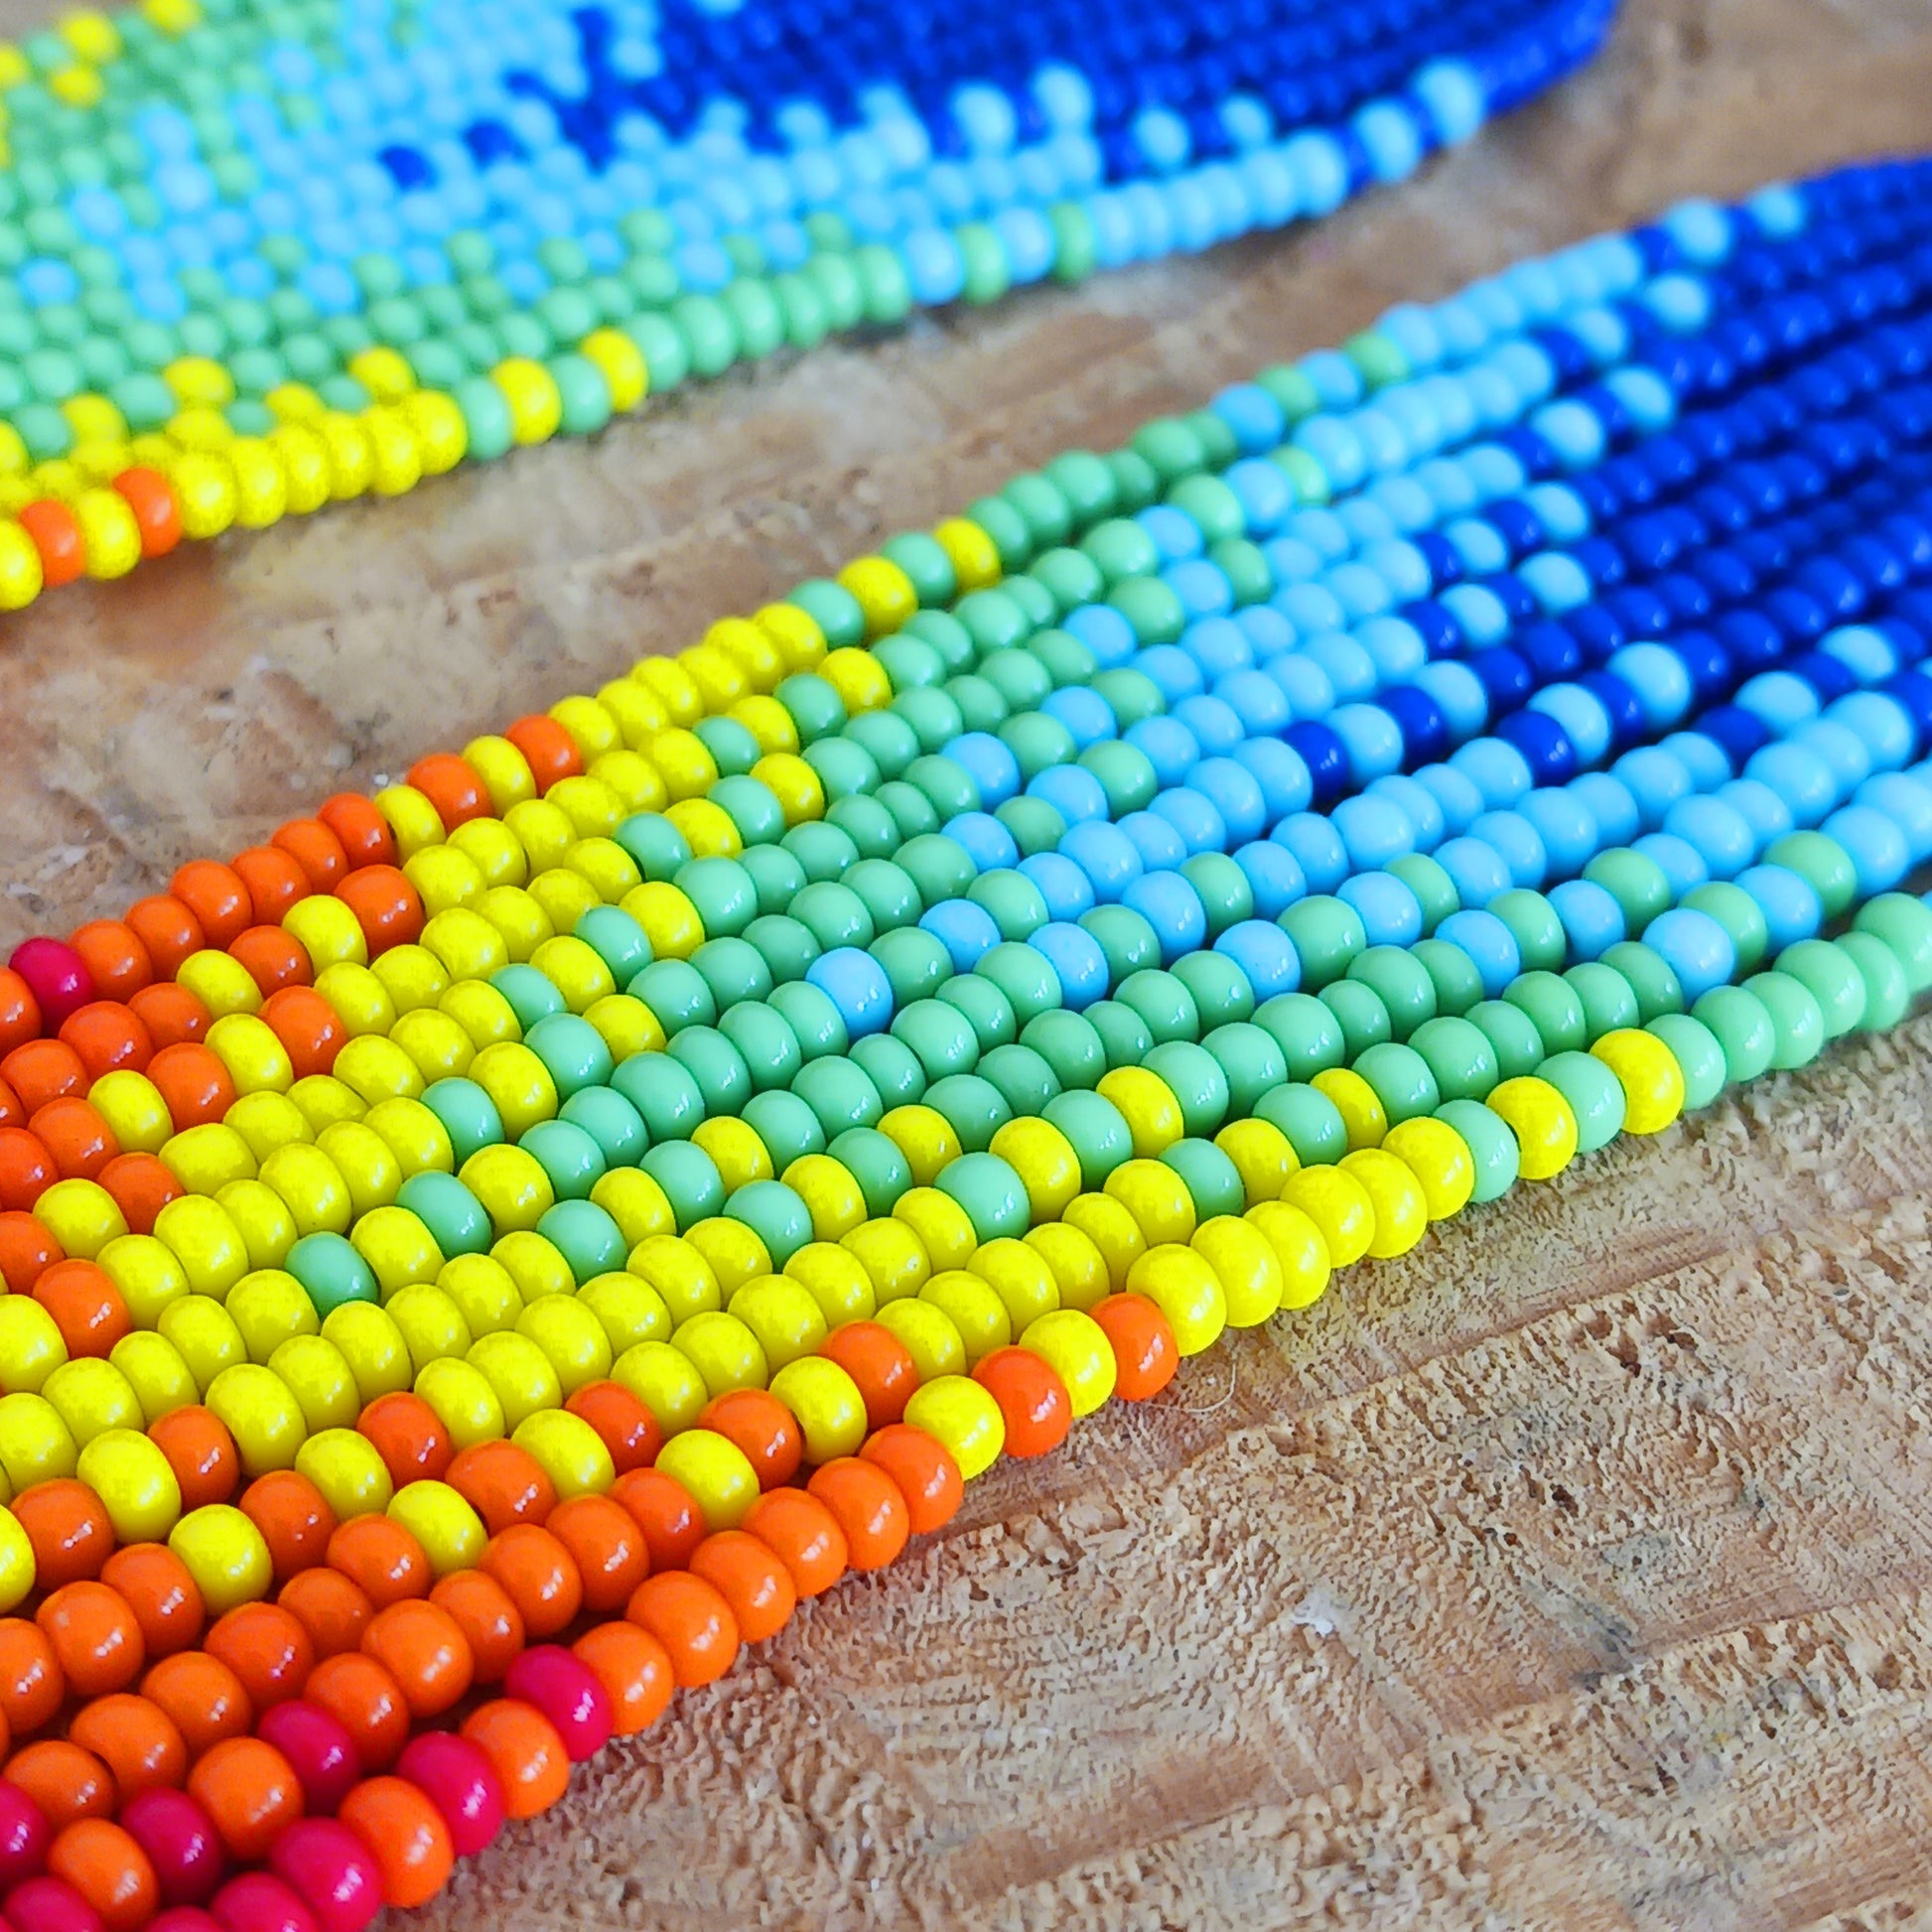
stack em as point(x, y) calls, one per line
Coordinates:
point(461, 1782)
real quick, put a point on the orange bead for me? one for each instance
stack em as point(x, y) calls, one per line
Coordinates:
point(294, 1518)
point(924, 1471)
point(67, 1526)
point(538, 1575)
point(870, 1510)
point(203, 1696)
point(504, 1485)
point(79, 1141)
point(275, 881)
point(663, 1509)
point(408, 1436)
point(1032, 1397)
point(551, 752)
point(109, 1870)
point(43, 1070)
point(56, 536)
point(309, 1028)
point(250, 1791)
point(20, 1012)
point(607, 1547)
point(332, 1610)
point(135, 1738)
point(95, 1637)
point(523, 1746)
point(405, 1834)
point(803, 1535)
point(749, 1576)
point(168, 931)
point(27, 1251)
point(880, 1363)
point(386, 907)
point(141, 1187)
point(622, 1424)
point(215, 896)
point(201, 1454)
point(12, 1113)
point(492, 1624)
point(634, 1670)
point(172, 1014)
point(86, 1307)
point(107, 1034)
point(1145, 1354)
point(156, 1585)
point(273, 958)
point(155, 513)
point(369, 1703)
point(763, 1428)
point(364, 831)
point(26, 1169)
point(450, 785)
point(32, 1685)
point(423, 1648)
point(381, 1559)
point(315, 848)
point(693, 1622)
point(268, 1648)
point(64, 1780)
point(114, 956)
point(192, 1083)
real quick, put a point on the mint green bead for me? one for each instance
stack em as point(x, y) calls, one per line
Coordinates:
point(734, 751)
point(1832, 979)
point(1195, 1077)
point(985, 1007)
point(1637, 884)
point(1125, 938)
point(838, 1093)
point(1649, 975)
point(973, 1108)
point(1095, 1129)
point(1086, 483)
point(775, 1215)
point(1152, 607)
point(1327, 933)
point(812, 1018)
point(1250, 577)
point(844, 768)
point(258, 371)
point(1120, 549)
point(1904, 923)
point(987, 272)
point(875, 1164)
point(887, 892)
point(910, 665)
point(1533, 922)
point(1037, 603)
point(775, 873)
point(46, 432)
point(665, 348)
point(1006, 528)
point(52, 374)
point(1453, 974)
point(1218, 441)
point(1023, 977)
point(925, 564)
point(1220, 989)
point(485, 416)
point(1594, 1094)
point(1011, 899)
point(1075, 250)
point(1554, 1005)
point(938, 866)
point(1043, 507)
point(833, 608)
point(945, 634)
point(1136, 483)
point(1123, 1034)
point(710, 335)
point(1492, 1147)
point(1312, 1121)
point(1379, 360)
point(1019, 676)
point(145, 400)
point(734, 971)
point(343, 392)
point(895, 1074)
point(1513, 1036)
point(1308, 1033)
point(330, 1272)
point(1458, 1055)
point(1401, 982)
point(1887, 999)
point(1022, 1078)
point(1358, 1009)
point(1699, 1055)
point(1607, 997)
point(585, 394)
point(1797, 1019)
point(1212, 1180)
point(756, 318)
point(247, 416)
point(1822, 864)
point(1402, 1080)
point(1070, 1046)
point(1070, 577)
point(1171, 447)
point(1126, 775)
point(1739, 914)
point(1224, 889)
point(882, 275)
point(1162, 1002)
point(1250, 1061)
point(787, 1127)
point(568, 313)
point(994, 620)
point(1212, 506)
point(611, 298)
point(1741, 1024)
point(653, 280)
point(841, 295)
point(940, 1035)
point(1035, 826)
point(589, 1240)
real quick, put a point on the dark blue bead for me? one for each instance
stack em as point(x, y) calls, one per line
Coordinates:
point(1515, 596)
point(1550, 651)
point(407, 168)
point(1597, 630)
point(1504, 676)
point(1517, 524)
point(1687, 599)
point(1824, 673)
point(1914, 690)
point(1708, 662)
point(1444, 561)
point(1437, 625)
point(1738, 731)
point(1601, 561)
point(1544, 745)
point(1797, 613)
point(1531, 450)
point(1755, 644)
point(1573, 361)
point(1724, 572)
point(1628, 725)
point(1327, 757)
point(1424, 730)
point(1643, 612)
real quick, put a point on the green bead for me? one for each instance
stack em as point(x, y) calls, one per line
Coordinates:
point(984, 1008)
point(1125, 940)
point(677, 992)
point(723, 1074)
point(940, 1035)
point(844, 768)
point(974, 1108)
point(775, 875)
point(802, 312)
point(1223, 889)
point(1595, 1093)
point(1401, 982)
point(1195, 1077)
point(938, 866)
point(1095, 1129)
point(812, 1018)
point(1533, 922)
point(1312, 1121)
point(1076, 248)
point(787, 1127)
point(1307, 1030)
point(1458, 1055)
point(752, 809)
point(1211, 505)
point(1359, 1011)
point(1131, 696)
point(1085, 483)
point(1797, 1020)
point(988, 273)
point(1035, 826)
point(1327, 933)
point(531, 996)
point(1822, 864)
point(1011, 899)
point(1155, 612)
point(1022, 1078)
point(840, 294)
point(1070, 577)
point(896, 1075)
point(1170, 448)
point(1119, 549)
point(1125, 774)
point(1700, 1058)
point(877, 1164)
point(1739, 914)
point(734, 751)
point(1249, 576)
point(1033, 599)
point(1250, 1061)
point(926, 563)
point(1606, 999)
point(653, 844)
point(1222, 994)
point(1904, 923)
point(710, 339)
point(485, 416)
point(665, 348)
point(1739, 1021)
point(1038, 743)
point(1492, 1147)
point(916, 964)
point(980, 707)
point(815, 706)
point(468, 1114)
point(1887, 999)
point(454, 1217)
point(1162, 1002)
point(756, 318)
point(1008, 527)
point(1065, 660)
point(1023, 977)
point(887, 892)
point(834, 916)
point(994, 620)
point(949, 786)
point(572, 1050)
point(1019, 677)
point(1402, 1080)
point(1433, 890)
point(1453, 974)
point(1513, 1036)
point(1122, 1033)
point(870, 827)
point(568, 1155)
point(610, 1121)
point(1212, 1180)
point(1217, 442)
point(330, 1272)
point(1043, 510)
point(1637, 884)
point(910, 665)
point(775, 1215)
point(1554, 1007)
point(839, 1094)
point(1834, 980)
point(1649, 975)
point(664, 1092)
point(1070, 1045)
point(722, 892)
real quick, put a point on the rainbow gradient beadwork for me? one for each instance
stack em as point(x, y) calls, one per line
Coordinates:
point(479, 1258)
point(262, 255)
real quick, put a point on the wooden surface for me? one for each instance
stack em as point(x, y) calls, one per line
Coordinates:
point(1573, 1573)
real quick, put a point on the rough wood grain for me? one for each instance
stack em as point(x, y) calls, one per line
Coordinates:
point(1574, 1573)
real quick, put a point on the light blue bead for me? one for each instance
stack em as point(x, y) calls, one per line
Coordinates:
point(1517, 844)
point(1490, 945)
point(1657, 675)
point(1265, 629)
point(1448, 486)
point(1309, 689)
point(1494, 471)
point(1086, 714)
point(1390, 912)
point(1478, 544)
point(1349, 669)
point(1078, 962)
point(1075, 793)
point(1419, 806)
point(1495, 397)
point(1453, 94)
point(1371, 737)
point(1497, 770)
point(1646, 395)
point(1323, 531)
point(1564, 823)
point(1461, 804)
point(1790, 907)
point(965, 929)
point(1062, 885)
point(1881, 723)
point(1779, 211)
point(1176, 534)
point(1265, 494)
point(1172, 906)
point(1475, 869)
point(1318, 849)
point(1527, 367)
point(1274, 876)
point(1867, 653)
point(1458, 695)
point(984, 839)
point(1396, 647)
point(1388, 133)
point(1678, 860)
point(1609, 802)
point(1695, 947)
point(1215, 725)
point(1258, 700)
point(1235, 795)
point(991, 766)
point(1702, 758)
point(1336, 448)
point(1338, 381)
point(1768, 816)
point(1799, 776)
point(1778, 700)
point(1107, 856)
point(1363, 591)
point(1907, 802)
point(1593, 921)
point(1104, 632)
point(1405, 503)
point(1556, 581)
point(857, 984)
point(1313, 608)
point(1480, 612)
point(1603, 332)
point(1572, 430)
point(1202, 587)
point(1175, 673)
point(1167, 744)
point(1877, 848)
point(1385, 449)
point(1375, 831)
point(1681, 302)
point(1656, 780)
point(1845, 753)
point(1719, 833)
point(1701, 228)
point(1364, 519)
point(1264, 953)
point(1157, 840)
point(1536, 286)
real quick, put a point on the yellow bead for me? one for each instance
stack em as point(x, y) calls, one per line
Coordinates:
point(734, 1149)
point(706, 828)
point(1112, 1230)
point(680, 1274)
point(519, 1372)
point(16, 1564)
point(830, 1193)
point(858, 677)
point(481, 1011)
point(261, 1219)
point(92, 35)
point(360, 1000)
point(626, 1026)
point(372, 1347)
point(1401, 1208)
point(352, 459)
point(306, 469)
point(429, 1323)
point(21, 573)
point(30, 1348)
point(535, 1265)
point(261, 1414)
point(110, 538)
point(975, 557)
point(536, 407)
point(717, 1473)
point(82, 1216)
point(790, 781)
point(327, 930)
point(444, 877)
point(542, 830)
point(1245, 1264)
point(1157, 1197)
point(312, 1186)
point(225, 1554)
point(204, 1241)
point(484, 1292)
point(753, 650)
point(719, 680)
point(269, 1306)
point(91, 1396)
point(199, 379)
point(669, 920)
point(575, 970)
point(893, 1257)
point(973, 1309)
point(927, 1333)
point(522, 923)
point(441, 435)
point(1181, 1285)
point(944, 1228)
point(1340, 1206)
point(200, 427)
point(1079, 1268)
point(204, 1334)
point(451, 1532)
point(396, 466)
point(628, 1310)
point(633, 777)
point(134, 1483)
point(36, 1445)
point(1020, 1277)
point(269, 1121)
point(464, 1403)
point(1439, 1157)
point(1299, 1247)
point(1262, 1154)
point(468, 947)
point(836, 1280)
point(925, 1137)
point(638, 713)
point(571, 1339)
point(219, 981)
point(664, 1381)
point(1647, 1071)
point(382, 372)
point(398, 1248)
point(518, 1084)
point(133, 1109)
point(830, 1410)
point(261, 485)
point(733, 1251)
point(609, 870)
point(207, 1158)
point(568, 1451)
point(345, 1468)
point(635, 1202)
point(156, 1373)
point(504, 769)
point(1075, 1347)
point(622, 364)
point(884, 592)
point(411, 818)
point(1147, 1105)
point(13, 451)
point(724, 1351)
point(962, 1417)
point(769, 722)
point(510, 1186)
point(1362, 1112)
point(1540, 1118)
point(783, 1315)
point(1046, 1163)
point(437, 1046)
point(670, 684)
point(204, 491)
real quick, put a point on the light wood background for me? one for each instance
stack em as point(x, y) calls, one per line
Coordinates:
point(1573, 1573)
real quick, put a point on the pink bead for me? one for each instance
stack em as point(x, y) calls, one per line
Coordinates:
point(255, 1902)
point(461, 1782)
point(548, 1676)
point(318, 1749)
point(58, 977)
point(51, 1905)
point(181, 1842)
point(183, 1918)
point(333, 1871)
point(24, 1838)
